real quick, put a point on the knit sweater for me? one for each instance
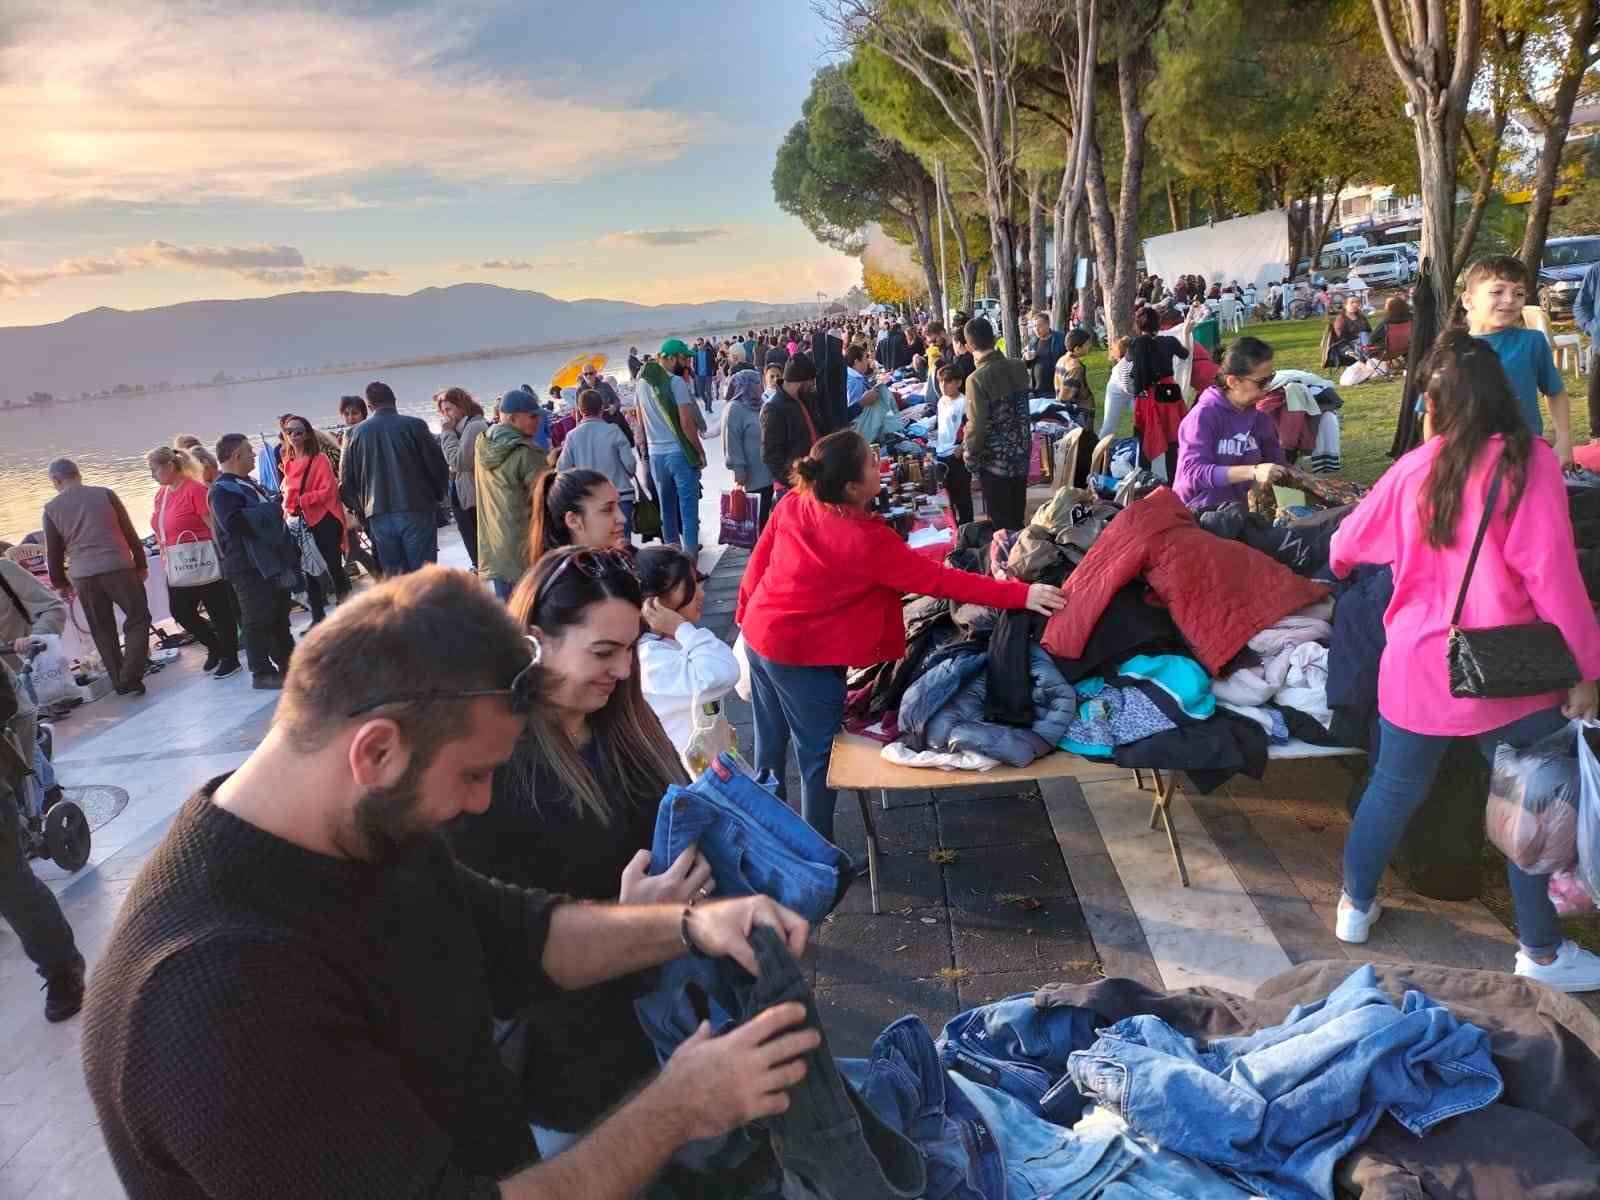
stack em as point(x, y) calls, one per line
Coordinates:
point(269, 1021)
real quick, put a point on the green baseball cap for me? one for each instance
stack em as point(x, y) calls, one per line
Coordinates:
point(673, 346)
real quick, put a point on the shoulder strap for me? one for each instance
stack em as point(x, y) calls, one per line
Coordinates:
point(1477, 542)
point(22, 609)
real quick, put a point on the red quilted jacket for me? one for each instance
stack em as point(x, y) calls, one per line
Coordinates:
point(1220, 593)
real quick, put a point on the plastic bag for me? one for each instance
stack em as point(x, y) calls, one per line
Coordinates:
point(1569, 895)
point(710, 737)
point(741, 518)
point(51, 673)
point(1532, 814)
point(1588, 813)
point(740, 652)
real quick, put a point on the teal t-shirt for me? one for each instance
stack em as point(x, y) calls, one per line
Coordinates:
point(1530, 368)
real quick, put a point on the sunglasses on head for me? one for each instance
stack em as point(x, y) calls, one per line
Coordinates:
point(594, 564)
point(519, 696)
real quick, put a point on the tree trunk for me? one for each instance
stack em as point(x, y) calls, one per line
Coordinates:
point(1194, 208)
point(1174, 209)
point(1324, 218)
point(1103, 232)
point(1088, 302)
point(969, 268)
point(922, 229)
point(1121, 285)
point(1555, 138)
point(1037, 298)
point(1438, 210)
point(1216, 203)
point(1488, 163)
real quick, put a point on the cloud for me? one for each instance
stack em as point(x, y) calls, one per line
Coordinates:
point(661, 237)
point(288, 104)
point(782, 281)
point(274, 266)
point(496, 264)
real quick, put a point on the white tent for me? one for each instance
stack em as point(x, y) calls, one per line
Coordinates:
point(1253, 249)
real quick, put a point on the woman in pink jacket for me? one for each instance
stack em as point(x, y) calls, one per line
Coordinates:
point(1421, 520)
point(181, 514)
point(311, 491)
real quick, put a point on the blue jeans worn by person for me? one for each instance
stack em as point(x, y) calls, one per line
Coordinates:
point(502, 589)
point(756, 846)
point(404, 541)
point(627, 519)
point(1401, 780)
point(808, 704)
point(1278, 1109)
point(678, 489)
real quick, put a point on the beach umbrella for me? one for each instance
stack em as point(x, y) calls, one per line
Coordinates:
point(568, 375)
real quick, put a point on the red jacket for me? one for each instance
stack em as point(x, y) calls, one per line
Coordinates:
point(1220, 593)
point(310, 490)
point(824, 585)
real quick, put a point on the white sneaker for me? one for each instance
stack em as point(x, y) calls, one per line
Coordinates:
point(1353, 924)
point(1574, 969)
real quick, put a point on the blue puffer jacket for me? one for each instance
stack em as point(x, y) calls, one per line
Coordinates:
point(959, 725)
point(936, 687)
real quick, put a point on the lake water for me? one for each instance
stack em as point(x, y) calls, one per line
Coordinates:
point(108, 438)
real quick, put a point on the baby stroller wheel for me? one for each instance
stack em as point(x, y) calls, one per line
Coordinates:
point(66, 835)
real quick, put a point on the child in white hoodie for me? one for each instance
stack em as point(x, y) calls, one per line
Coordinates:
point(681, 665)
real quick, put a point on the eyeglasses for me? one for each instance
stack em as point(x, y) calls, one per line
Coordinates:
point(297, 431)
point(594, 564)
point(519, 696)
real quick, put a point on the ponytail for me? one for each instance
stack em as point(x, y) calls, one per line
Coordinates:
point(555, 494)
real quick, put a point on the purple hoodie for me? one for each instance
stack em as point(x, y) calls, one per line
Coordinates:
point(1215, 436)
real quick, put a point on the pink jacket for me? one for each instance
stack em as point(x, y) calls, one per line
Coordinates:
point(1527, 571)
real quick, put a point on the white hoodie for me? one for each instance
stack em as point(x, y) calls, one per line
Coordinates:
point(677, 673)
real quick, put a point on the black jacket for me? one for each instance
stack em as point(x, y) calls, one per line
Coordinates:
point(785, 436)
point(392, 463)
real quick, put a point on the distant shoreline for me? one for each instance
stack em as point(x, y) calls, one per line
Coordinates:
point(491, 352)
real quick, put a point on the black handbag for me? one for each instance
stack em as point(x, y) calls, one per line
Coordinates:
point(1506, 660)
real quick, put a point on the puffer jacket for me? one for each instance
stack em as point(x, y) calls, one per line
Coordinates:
point(958, 723)
point(1220, 593)
point(946, 674)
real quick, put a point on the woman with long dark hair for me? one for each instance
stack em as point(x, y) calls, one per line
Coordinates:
point(311, 492)
point(574, 812)
point(1157, 400)
point(461, 424)
point(822, 592)
point(1421, 520)
point(579, 507)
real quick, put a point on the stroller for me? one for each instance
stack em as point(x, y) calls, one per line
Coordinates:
point(59, 832)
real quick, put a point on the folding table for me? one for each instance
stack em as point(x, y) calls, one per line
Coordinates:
point(857, 764)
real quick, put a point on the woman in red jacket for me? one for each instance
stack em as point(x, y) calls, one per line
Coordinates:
point(822, 593)
point(181, 515)
point(311, 491)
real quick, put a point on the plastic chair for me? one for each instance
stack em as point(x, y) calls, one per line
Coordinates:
point(1396, 344)
point(1228, 313)
point(1561, 344)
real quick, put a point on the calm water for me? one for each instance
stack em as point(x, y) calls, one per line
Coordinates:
point(109, 438)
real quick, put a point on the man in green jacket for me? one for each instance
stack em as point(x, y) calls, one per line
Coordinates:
point(999, 429)
point(508, 462)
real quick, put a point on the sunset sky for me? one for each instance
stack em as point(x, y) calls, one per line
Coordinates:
point(162, 150)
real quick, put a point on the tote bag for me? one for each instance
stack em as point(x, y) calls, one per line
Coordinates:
point(188, 564)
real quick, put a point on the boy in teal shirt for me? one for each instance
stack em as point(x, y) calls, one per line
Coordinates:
point(1493, 293)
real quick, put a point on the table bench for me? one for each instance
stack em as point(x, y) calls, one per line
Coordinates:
point(857, 764)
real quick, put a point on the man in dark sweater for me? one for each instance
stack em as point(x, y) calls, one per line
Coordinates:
point(297, 998)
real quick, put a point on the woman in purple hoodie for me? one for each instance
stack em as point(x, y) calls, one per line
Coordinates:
point(1226, 444)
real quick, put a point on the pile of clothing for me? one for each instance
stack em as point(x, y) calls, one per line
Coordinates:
point(1305, 409)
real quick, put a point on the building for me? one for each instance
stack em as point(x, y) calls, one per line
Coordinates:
point(1376, 204)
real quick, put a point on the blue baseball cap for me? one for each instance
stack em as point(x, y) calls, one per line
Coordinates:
point(519, 401)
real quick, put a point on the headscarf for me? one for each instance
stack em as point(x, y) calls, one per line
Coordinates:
point(744, 387)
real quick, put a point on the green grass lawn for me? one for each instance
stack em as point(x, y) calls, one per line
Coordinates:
point(1370, 410)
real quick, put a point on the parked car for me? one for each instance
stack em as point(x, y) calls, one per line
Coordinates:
point(1384, 267)
point(1566, 259)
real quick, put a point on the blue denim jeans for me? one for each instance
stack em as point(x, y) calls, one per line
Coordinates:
point(1277, 1110)
point(627, 519)
point(404, 541)
point(808, 704)
point(502, 589)
point(756, 846)
point(904, 1084)
point(1021, 1049)
point(678, 489)
point(1401, 780)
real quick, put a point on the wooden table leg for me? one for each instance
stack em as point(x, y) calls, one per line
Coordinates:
point(1162, 811)
point(872, 843)
point(1138, 779)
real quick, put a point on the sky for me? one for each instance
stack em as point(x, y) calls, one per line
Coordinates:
point(169, 150)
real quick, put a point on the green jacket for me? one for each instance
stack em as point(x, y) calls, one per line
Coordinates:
point(507, 466)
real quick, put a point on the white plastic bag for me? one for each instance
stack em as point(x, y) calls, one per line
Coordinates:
point(52, 673)
point(740, 652)
point(1588, 813)
point(712, 734)
point(1532, 813)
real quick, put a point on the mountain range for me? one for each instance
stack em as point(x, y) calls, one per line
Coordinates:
point(192, 342)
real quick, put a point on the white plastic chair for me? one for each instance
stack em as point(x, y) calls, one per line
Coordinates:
point(1561, 344)
point(1229, 317)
